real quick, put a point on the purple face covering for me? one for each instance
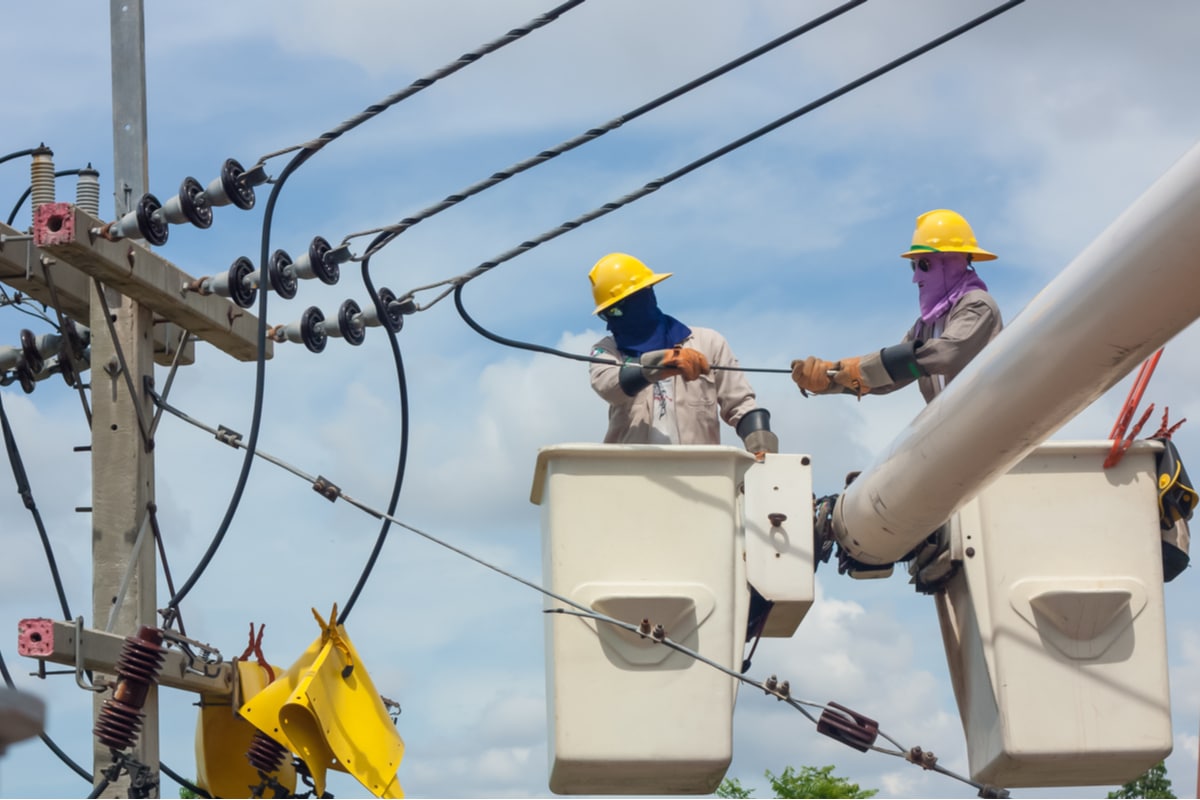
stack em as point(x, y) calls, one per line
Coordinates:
point(941, 287)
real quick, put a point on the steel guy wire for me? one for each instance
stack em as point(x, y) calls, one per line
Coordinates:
point(392, 231)
point(123, 365)
point(130, 566)
point(768, 687)
point(307, 151)
point(177, 615)
point(657, 184)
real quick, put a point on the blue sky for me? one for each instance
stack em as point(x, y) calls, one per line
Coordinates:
point(1040, 127)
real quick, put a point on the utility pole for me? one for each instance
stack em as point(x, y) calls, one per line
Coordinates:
point(122, 450)
point(132, 298)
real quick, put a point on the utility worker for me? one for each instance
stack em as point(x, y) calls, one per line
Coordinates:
point(958, 317)
point(661, 387)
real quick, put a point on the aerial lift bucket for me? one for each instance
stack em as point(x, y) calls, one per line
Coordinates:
point(1055, 628)
point(656, 533)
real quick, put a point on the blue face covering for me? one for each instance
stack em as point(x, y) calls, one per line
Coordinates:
point(639, 326)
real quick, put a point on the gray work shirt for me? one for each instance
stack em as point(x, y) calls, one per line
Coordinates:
point(933, 354)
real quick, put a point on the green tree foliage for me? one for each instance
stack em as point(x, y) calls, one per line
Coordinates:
point(1151, 783)
point(807, 782)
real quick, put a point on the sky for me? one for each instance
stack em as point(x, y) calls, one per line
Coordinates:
point(1040, 127)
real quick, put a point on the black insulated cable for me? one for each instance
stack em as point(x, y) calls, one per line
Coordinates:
point(54, 748)
point(306, 152)
point(23, 489)
point(655, 185)
point(537, 348)
point(423, 83)
point(403, 457)
point(18, 153)
point(29, 190)
point(392, 231)
point(186, 784)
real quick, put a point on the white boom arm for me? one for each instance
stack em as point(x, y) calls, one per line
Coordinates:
point(1126, 295)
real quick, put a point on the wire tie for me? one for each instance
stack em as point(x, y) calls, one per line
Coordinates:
point(326, 489)
point(228, 436)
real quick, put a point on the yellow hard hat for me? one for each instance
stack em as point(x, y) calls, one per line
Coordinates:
point(618, 275)
point(945, 231)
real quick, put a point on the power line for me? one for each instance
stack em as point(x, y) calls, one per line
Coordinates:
point(392, 231)
point(537, 348)
point(771, 686)
point(307, 151)
point(655, 185)
point(403, 457)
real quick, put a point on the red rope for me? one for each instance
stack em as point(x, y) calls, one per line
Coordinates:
point(1121, 442)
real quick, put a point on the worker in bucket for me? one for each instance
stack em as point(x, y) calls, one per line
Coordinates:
point(958, 317)
point(656, 373)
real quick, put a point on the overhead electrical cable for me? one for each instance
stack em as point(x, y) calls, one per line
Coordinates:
point(423, 83)
point(403, 458)
point(537, 348)
point(54, 748)
point(392, 231)
point(26, 493)
point(771, 686)
point(655, 185)
point(307, 151)
point(18, 153)
point(29, 190)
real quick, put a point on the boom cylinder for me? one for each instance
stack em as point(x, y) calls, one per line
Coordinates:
point(1127, 294)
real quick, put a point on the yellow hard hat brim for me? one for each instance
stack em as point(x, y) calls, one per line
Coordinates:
point(657, 277)
point(978, 253)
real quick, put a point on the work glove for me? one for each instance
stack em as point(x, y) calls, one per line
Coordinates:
point(682, 361)
point(812, 375)
point(761, 441)
point(849, 375)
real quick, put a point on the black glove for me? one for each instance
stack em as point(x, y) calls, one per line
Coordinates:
point(755, 429)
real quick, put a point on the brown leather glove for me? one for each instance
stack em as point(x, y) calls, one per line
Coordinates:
point(812, 375)
point(683, 361)
point(849, 375)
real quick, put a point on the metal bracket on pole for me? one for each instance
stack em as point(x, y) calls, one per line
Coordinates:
point(70, 234)
point(24, 267)
point(57, 641)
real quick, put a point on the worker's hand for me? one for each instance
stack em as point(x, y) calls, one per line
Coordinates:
point(761, 442)
point(812, 375)
point(849, 375)
point(683, 361)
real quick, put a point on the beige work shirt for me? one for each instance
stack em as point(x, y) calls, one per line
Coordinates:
point(699, 404)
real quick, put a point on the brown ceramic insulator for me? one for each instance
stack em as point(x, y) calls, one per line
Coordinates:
point(120, 719)
point(266, 754)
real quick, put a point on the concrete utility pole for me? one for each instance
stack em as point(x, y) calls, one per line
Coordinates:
point(122, 454)
point(128, 294)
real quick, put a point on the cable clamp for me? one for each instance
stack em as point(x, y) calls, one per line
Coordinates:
point(925, 759)
point(228, 436)
point(326, 489)
point(207, 662)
